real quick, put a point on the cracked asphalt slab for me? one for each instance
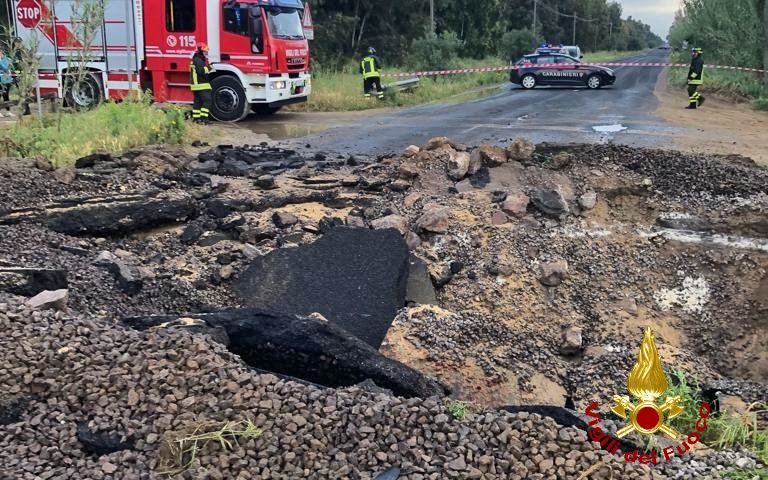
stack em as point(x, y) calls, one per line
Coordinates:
point(544, 114)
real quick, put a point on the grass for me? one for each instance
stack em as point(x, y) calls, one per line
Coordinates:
point(112, 127)
point(180, 452)
point(732, 85)
point(608, 55)
point(458, 410)
point(754, 474)
point(760, 104)
point(343, 91)
point(724, 430)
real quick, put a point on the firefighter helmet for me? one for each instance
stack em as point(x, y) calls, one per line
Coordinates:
point(696, 50)
point(203, 47)
point(371, 50)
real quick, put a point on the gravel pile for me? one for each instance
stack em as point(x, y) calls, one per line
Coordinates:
point(162, 262)
point(73, 372)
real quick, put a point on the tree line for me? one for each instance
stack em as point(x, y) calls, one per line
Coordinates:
point(731, 32)
point(403, 33)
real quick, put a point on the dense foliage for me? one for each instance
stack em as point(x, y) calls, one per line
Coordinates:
point(399, 28)
point(730, 32)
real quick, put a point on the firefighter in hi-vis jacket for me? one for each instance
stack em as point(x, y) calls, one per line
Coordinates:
point(695, 79)
point(200, 84)
point(370, 69)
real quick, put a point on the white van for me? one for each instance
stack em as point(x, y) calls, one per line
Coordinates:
point(570, 50)
point(573, 51)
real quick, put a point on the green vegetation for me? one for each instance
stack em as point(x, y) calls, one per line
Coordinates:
point(458, 410)
point(758, 474)
point(608, 56)
point(761, 103)
point(180, 452)
point(725, 430)
point(112, 127)
point(731, 33)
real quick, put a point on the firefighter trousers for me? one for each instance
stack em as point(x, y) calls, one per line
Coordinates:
point(202, 104)
point(370, 83)
point(694, 97)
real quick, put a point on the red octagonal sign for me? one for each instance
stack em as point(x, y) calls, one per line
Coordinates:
point(29, 13)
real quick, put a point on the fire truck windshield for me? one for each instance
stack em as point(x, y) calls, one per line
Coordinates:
point(285, 23)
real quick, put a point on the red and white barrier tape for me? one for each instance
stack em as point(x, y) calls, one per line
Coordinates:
point(560, 65)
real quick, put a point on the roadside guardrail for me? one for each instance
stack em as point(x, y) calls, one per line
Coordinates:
point(402, 85)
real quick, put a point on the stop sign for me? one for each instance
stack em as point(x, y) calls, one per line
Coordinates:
point(29, 13)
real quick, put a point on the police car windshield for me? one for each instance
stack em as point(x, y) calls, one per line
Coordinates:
point(285, 23)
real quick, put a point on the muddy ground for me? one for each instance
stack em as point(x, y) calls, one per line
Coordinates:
point(547, 261)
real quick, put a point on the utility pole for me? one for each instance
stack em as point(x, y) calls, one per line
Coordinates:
point(432, 17)
point(765, 39)
point(610, 34)
point(574, 29)
point(535, 4)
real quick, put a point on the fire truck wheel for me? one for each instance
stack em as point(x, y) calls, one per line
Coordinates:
point(262, 109)
point(229, 102)
point(86, 95)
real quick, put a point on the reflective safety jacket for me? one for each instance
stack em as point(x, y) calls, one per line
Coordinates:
point(370, 67)
point(696, 72)
point(198, 71)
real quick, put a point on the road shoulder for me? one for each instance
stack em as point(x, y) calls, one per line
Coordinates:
point(720, 126)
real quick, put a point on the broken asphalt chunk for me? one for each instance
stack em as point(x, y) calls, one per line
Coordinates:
point(354, 277)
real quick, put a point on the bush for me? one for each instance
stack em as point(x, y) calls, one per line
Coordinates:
point(435, 52)
point(516, 43)
point(111, 127)
point(725, 429)
point(761, 104)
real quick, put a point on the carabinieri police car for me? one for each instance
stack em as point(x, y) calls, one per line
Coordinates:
point(554, 69)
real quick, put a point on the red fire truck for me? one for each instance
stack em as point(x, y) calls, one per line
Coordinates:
point(258, 51)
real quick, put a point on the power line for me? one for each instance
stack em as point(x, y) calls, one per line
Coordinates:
point(557, 12)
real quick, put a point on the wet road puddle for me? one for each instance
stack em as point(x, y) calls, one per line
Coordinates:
point(615, 128)
point(284, 131)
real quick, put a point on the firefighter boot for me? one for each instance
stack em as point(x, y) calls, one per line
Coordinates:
point(701, 101)
point(691, 106)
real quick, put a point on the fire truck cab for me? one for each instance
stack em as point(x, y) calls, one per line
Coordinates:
point(257, 50)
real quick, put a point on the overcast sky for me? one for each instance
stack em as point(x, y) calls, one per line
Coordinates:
point(656, 13)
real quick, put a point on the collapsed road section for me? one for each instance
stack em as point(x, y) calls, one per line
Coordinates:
point(344, 306)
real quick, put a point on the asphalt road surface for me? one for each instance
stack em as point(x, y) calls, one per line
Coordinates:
point(621, 113)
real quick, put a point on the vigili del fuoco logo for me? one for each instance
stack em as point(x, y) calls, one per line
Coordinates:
point(646, 416)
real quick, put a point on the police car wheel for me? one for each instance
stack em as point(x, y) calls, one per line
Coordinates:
point(228, 103)
point(594, 82)
point(528, 81)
